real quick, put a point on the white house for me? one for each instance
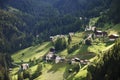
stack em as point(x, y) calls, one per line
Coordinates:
point(58, 59)
point(24, 66)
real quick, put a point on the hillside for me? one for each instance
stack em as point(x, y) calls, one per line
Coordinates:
point(40, 19)
point(59, 39)
point(104, 68)
point(59, 71)
point(10, 31)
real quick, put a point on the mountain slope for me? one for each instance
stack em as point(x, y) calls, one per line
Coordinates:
point(10, 31)
point(34, 54)
point(44, 18)
point(108, 66)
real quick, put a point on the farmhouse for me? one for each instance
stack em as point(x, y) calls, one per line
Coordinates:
point(58, 59)
point(24, 66)
point(71, 33)
point(90, 28)
point(99, 33)
point(50, 56)
point(113, 37)
point(75, 60)
point(51, 37)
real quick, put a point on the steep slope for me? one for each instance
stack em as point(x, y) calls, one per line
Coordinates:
point(42, 18)
point(5, 63)
point(86, 8)
point(108, 66)
point(10, 31)
point(34, 54)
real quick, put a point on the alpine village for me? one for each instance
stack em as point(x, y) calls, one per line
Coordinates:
point(59, 39)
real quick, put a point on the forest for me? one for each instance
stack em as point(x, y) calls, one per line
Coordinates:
point(34, 21)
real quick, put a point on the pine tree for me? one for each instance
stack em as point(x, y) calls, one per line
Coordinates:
point(69, 39)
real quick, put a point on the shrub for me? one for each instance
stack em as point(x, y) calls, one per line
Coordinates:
point(60, 44)
point(20, 75)
point(38, 71)
point(88, 42)
point(26, 74)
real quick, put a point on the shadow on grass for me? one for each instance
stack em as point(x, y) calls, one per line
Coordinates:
point(56, 67)
point(109, 43)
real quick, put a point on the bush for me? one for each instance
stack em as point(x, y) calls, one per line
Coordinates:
point(26, 74)
point(38, 71)
point(76, 68)
point(88, 42)
point(20, 75)
point(60, 44)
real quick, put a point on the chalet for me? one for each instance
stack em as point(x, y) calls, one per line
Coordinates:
point(58, 59)
point(62, 36)
point(84, 61)
point(93, 28)
point(24, 66)
point(10, 69)
point(71, 33)
point(37, 36)
point(98, 33)
point(113, 37)
point(51, 37)
point(75, 60)
point(80, 18)
point(90, 28)
point(58, 36)
point(50, 56)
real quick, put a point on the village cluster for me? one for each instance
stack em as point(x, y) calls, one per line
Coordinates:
point(51, 56)
point(99, 33)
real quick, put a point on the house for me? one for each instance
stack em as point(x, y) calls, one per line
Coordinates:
point(93, 28)
point(80, 18)
point(98, 33)
point(75, 60)
point(113, 37)
point(71, 33)
point(10, 69)
point(58, 59)
point(51, 37)
point(24, 66)
point(50, 56)
point(84, 61)
point(90, 28)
